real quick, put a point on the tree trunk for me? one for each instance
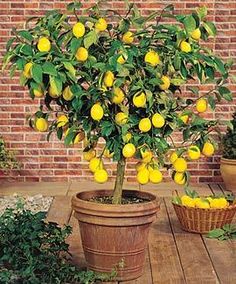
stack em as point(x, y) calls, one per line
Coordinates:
point(117, 195)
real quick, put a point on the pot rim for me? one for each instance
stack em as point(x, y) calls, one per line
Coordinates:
point(135, 209)
point(228, 161)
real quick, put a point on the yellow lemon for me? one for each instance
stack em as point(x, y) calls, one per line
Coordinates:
point(44, 44)
point(158, 120)
point(185, 46)
point(201, 203)
point(180, 165)
point(218, 203)
point(179, 178)
point(53, 91)
point(128, 150)
point(67, 94)
point(209, 199)
point(127, 137)
point(78, 30)
point(121, 118)
point(166, 83)
point(81, 54)
point(62, 121)
point(187, 201)
point(95, 164)
point(128, 37)
point(140, 165)
point(196, 34)
point(139, 99)
point(121, 59)
point(201, 105)
point(208, 149)
point(184, 118)
point(38, 93)
point(79, 137)
point(145, 124)
point(101, 25)
point(194, 153)
point(88, 155)
point(101, 176)
point(152, 58)
point(108, 154)
point(118, 96)
point(173, 157)
point(146, 156)
point(41, 124)
point(27, 70)
point(143, 176)
point(108, 79)
point(96, 112)
point(155, 176)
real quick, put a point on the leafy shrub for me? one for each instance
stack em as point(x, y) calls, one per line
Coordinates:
point(35, 251)
point(229, 140)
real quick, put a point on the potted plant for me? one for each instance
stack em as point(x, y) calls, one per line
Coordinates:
point(119, 78)
point(228, 159)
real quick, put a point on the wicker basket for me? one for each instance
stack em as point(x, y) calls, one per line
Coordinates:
point(198, 220)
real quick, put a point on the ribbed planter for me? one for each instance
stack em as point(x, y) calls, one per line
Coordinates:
point(228, 173)
point(115, 234)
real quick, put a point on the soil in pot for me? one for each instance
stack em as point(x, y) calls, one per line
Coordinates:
point(115, 236)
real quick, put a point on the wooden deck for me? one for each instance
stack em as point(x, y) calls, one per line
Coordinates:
point(173, 256)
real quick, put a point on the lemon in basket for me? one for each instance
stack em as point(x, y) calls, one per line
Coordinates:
point(187, 201)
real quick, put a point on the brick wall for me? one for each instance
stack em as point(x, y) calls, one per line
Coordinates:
point(43, 161)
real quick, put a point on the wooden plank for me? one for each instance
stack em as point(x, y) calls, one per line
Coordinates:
point(165, 189)
point(164, 258)
point(194, 257)
point(215, 188)
point(222, 253)
point(60, 210)
point(90, 185)
point(33, 188)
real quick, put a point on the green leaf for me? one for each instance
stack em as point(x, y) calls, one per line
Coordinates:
point(177, 82)
point(189, 23)
point(75, 44)
point(210, 28)
point(26, 35)
point(73, 6)
point(225, 93)
point(90, 39)
point(202, 12)
point(27, 50)
point(194, 90)
point(211, 101)
point(9, 43)
point(49, 68)
point(37, 73)
point(70, 68)
point(215, 234)
point(220, 65)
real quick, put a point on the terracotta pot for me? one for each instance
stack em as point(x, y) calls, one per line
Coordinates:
point(228, 172)
point(115, 234)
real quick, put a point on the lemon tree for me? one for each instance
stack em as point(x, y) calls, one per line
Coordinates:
point(123, 78)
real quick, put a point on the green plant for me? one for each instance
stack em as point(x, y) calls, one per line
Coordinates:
point(229, 140)
point(122, 80)
point(7, 158)
point(34, 251)
point(228, 232)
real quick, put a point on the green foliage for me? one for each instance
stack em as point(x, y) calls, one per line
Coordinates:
point(229, 140)
point(228, 232)
point(34, 251)
point(60, 67)
point(7, 158)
